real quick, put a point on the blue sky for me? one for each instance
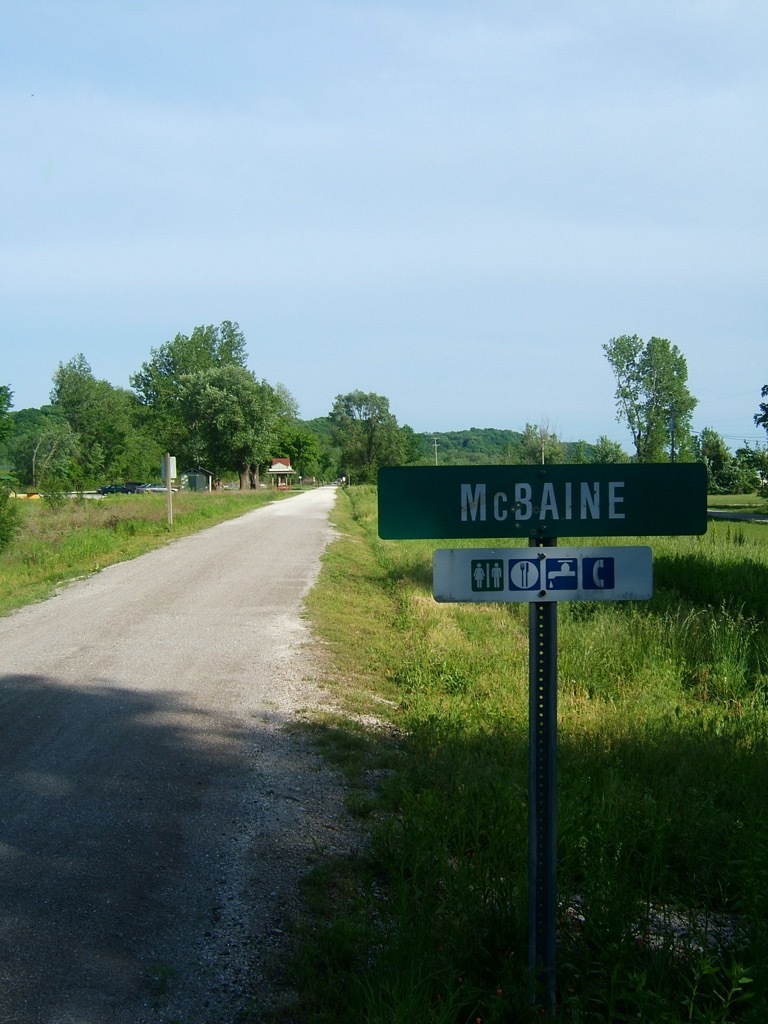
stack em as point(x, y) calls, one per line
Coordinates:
point(454, 205)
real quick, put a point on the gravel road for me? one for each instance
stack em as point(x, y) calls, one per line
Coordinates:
point(154, 814)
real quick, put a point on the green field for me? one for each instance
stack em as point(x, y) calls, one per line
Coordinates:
point(663, 792)
point(738, 502)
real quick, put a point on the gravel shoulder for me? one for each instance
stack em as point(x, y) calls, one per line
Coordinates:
point(155, 815)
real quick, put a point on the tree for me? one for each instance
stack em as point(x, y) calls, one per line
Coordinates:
point(604, 450)
point(110, 441)
point(231, 418)
point(10, 517)
point(301, 446)
point(752, 465)
point(322, 429)
point(761, 418)
point(158, 383)
point(287, 406)
point(652, 396)
point(6, 423)
point(205, 348)
point(578, 452)
point(10, 514)
point(42, 448)
point(414, 446)
point(712, 450)
point(367, 434)
point(46, 456)
point(538, 445)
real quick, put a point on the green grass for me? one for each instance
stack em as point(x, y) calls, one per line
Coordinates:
point(663, 790)
point(663, 775)
point(70, 538)
point(738, 502)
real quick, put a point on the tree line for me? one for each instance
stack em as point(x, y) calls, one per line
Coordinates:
point(196, 398)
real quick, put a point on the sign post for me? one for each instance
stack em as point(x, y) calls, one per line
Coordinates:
point(168, 469)
point(542, 575)
point(542, 797)
point(542, 503)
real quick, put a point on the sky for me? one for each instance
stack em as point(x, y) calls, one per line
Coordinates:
point(451, 204)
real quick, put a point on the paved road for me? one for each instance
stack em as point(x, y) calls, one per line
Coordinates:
point(152, 813)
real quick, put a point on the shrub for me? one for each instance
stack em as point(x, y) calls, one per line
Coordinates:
point(10, 518)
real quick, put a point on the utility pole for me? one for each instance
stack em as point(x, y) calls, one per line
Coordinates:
point(435, 443)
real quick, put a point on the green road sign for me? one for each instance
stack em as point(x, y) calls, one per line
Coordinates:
point(587, 500)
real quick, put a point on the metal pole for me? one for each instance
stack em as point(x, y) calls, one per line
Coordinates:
point(542, 794)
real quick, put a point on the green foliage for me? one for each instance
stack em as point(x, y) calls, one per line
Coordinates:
point(414, 446)
point(606, 451)
point(752, 463)
point(6, 424)
point(578, 452)
point(476, 446)
point(322, 429)
point(105, 440)
point(159, 382)
point(230, 417)
point(761, 417)
point(207, 347)
point(301, 446)
point(196, 399)
point(43, 448)
point(286, 405)
point(10, 518)
point(368, 435)
point(494, 447)
point(538, 445)
point(663, 789)
point(652, 396)
point(728, 473)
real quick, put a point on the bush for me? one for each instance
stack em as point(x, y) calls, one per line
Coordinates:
point(10, 518)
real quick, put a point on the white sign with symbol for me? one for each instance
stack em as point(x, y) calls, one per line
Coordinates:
point(543, 574)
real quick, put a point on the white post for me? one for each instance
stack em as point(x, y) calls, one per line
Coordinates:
point(168, 488)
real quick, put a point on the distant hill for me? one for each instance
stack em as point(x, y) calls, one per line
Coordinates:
point(476, 446)
point(488, 446)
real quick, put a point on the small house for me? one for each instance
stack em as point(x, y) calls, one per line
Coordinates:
point(197, 479)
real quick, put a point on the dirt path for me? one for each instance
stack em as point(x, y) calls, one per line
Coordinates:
point(154, 816)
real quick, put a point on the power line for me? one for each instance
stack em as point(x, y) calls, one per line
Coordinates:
point(730, 437)
point(726, 398)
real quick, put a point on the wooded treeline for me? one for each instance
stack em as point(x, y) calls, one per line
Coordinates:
point(196, 398)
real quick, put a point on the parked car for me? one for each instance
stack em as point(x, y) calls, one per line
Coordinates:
point(112, 489)
point(131, 487)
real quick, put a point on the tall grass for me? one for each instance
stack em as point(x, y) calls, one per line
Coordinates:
point(663, 790)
